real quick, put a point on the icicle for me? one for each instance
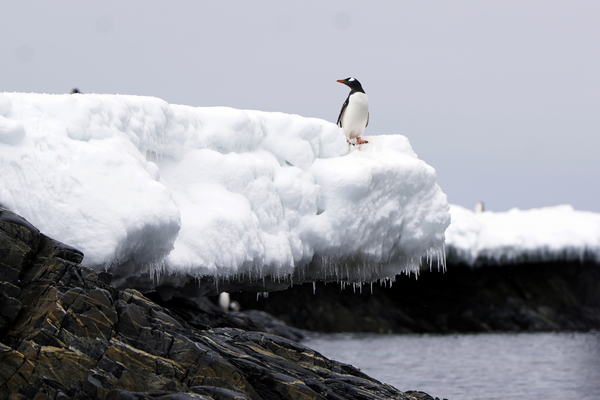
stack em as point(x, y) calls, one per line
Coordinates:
point(444, 252)
point(314, 287)
point(430, 260)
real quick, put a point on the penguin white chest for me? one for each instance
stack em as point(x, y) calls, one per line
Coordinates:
point(355, 116)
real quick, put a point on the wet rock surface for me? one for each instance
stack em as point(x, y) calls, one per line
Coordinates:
point(66, 334)
point(518, 298)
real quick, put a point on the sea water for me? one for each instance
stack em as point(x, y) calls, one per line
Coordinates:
point(475, 366)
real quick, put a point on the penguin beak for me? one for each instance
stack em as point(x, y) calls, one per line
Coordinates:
point(341, 81)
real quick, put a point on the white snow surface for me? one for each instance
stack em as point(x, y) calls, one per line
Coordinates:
point(546, 234)
point(143, 185)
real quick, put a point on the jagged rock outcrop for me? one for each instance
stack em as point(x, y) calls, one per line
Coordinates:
point(65, 334)
point(513, 298)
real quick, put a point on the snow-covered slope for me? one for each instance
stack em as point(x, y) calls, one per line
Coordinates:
point(140, 185)
point(546, 234)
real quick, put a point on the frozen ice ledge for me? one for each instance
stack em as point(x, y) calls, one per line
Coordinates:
point(540, 235)
point(164, 195)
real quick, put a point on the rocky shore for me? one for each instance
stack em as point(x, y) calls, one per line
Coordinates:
point(515, 298)
point(65, 333)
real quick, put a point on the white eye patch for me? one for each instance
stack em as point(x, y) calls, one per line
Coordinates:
point(351, 80)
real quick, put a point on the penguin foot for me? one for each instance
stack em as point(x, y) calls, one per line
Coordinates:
point(350, 143)
point(360, 141)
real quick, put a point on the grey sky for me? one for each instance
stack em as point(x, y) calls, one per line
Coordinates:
point(501, 97)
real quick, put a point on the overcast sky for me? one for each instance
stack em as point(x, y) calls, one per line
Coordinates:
point(501, 97)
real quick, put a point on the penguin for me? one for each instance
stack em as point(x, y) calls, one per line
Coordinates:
point(224, 301)
point(479, 207)
point(227, 304)
point(354, 116)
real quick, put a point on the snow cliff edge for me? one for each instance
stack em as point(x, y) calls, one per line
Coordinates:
point(161, 192)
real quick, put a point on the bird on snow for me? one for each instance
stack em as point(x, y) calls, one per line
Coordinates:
point(354, 116)
point(479, 207)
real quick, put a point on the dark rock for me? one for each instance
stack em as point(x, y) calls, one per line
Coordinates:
point(421, 395)
point(9, 308)
point(19, 242)
point(219, 393)
point(105, 277)
point(203, 314)
point(518, 298)
point(67, 335)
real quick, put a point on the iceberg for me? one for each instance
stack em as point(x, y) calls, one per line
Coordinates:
point(161, 194)
point(547, 234)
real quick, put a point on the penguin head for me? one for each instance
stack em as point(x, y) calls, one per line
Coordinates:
point(352, 83)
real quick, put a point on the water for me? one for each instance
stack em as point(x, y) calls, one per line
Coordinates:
point(528, 366)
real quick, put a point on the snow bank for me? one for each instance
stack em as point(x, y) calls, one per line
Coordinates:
point(140, 185)
point(547, 234)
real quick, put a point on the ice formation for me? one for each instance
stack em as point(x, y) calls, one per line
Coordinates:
point(146, 188)
point(547, 234)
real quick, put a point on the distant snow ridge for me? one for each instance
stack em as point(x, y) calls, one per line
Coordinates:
point(146, 188)
point(546, 234)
